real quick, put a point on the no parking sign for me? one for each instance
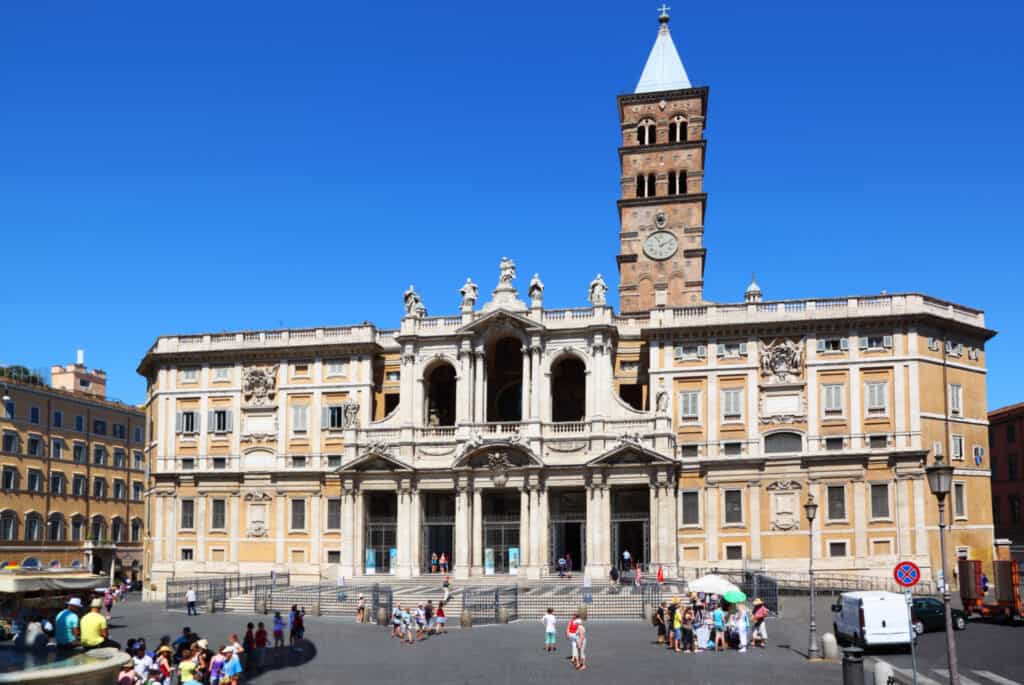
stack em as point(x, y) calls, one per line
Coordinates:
point(907, 573)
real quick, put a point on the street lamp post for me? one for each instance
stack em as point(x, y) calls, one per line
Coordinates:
point(940, 481)
point(811, 509)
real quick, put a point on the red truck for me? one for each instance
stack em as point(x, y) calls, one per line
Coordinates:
point(1003, 599)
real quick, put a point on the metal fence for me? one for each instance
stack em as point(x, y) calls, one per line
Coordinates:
point(484, 603)
point(324, 598)
point(218, 589)
point(605, 601)
point(824, 582)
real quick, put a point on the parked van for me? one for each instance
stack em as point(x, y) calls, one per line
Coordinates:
point(871, 619)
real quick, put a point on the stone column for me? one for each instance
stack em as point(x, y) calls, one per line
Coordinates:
point(605, 522)
point(201, 525)
point(544, 529)
point(593, 552)
point(415, 532)
point(403, 537)
point(477, 543)
point(525, 516)
point(712, 418)
point(314, 529)
point(464, 385)
point(860, 521)
point(348, 549)
point(462, 531)
point(527, 386)
point(158, 529)
point(280, 526)
point(920, 532)
point(536, 379)
point(538, 519)
point(855, 406)
point(711, 523)
point(900, 409)
point(902, 495)
point(235, 528)
point(755, 520)
point(358, 532)
point(654, 553)
point(479, 399)
point(815, 490)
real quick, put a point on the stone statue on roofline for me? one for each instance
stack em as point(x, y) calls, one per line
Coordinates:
point(536, 291)
point(508, 272)
point(598, 291)
point(469, 293)
point(414, 304)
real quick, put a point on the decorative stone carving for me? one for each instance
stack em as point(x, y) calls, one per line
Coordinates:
point(469, 294)
point(437, 451)
point(499, 465)
point(259, 385)
point(598, 291)
point(781, 359)
point(661, 403)
point(379, 448)
point(257, 529)
point(536, 291)
point(785, 504)
point(505, 295)
point(567, 446)
point(257, 495)
point(414, 304)
point(782, 406)
point(349, 415)
point(629, 438)
point(507, 272)
point(782, 485)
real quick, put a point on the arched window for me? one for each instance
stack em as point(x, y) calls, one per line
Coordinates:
point(677, 183)
point(568, 390)
point(76, 564)
point(440, 396)
point(30, 562)
point(99, 529)
point(77, 526)
point(641, 135)
point(672, 131)
point(505, 380)
point(116, 530)
point(8, 525)
point(677, 130)
point(641, 185)
point(56, 531)
point(33, 527)
point(682, 183)
point(651, 187)
point(646, 133)
point(671, 183)
point(55, 564)
point(136, 530)
point(783, 442)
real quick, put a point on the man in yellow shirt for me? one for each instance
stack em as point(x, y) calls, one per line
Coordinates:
point(93, 627)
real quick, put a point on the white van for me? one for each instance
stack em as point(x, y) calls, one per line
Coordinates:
point(871, 619)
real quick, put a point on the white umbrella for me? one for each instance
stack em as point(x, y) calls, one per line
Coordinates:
point(711, 584)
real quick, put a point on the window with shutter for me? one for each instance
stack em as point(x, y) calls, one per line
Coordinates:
point(299, 418)
point(957, 448)
point(689, 405)
point(877, 397)
point(833, 394)
point(732, 404)
point(836, 500)
point(956, 395)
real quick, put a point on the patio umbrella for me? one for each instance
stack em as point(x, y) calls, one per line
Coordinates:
point(734, 597)
point(712, 585)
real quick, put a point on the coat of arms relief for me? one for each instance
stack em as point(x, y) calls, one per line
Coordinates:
point(783, 399)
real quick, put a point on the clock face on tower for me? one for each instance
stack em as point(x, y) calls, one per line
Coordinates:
point(660, 245)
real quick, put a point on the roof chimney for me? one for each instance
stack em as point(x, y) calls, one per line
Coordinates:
point(80, 358)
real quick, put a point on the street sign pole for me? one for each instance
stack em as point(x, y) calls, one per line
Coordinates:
point(907, 575)
point(913, 633)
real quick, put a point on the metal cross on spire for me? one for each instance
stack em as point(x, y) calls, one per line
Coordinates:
point(664, 11)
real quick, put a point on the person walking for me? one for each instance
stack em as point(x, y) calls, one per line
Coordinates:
point(760, 616)
point(659, 621)
point(568, 564)
point(66, 631)
point(550, 623)
point(361, 608)
point(443, 562)
point(190, 602)
point(441, 619)
point(278, 629)
point(741, 624)
point(396, 621)
point(571, 635)
point(108, 601)
point(688, 635)
point(718, 619)
point(446, 589)
point(581, 646)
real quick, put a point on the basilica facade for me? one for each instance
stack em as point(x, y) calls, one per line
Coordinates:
point(507, 434)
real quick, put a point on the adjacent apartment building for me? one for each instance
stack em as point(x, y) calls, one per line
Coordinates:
point(507, 434)
point(73, 473)
point(1006, 444)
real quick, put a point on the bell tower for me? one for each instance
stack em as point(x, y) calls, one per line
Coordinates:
point(661, 209)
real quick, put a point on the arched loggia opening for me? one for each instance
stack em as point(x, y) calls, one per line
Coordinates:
point(440, 395)
point(505, 381)
point(568, 390)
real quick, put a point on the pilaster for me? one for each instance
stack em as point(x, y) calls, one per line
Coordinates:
point(755, 520)
point(462, 531)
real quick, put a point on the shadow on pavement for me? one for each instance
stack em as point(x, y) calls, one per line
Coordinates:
point(279, 658)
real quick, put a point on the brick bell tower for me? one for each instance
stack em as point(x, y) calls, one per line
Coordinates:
point(661, 210)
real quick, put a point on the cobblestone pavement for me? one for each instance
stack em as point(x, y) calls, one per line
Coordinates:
point(619, 652)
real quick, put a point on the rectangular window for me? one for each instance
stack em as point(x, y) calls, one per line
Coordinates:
point(960, 500)
point(881, 548)
point(298, 462)
point(99, 427)
point(58, 418)
point(1011, 467)
point(302, 370)
point(333, 556)
point(9, 412)
point(876, 342)
point(393, 375)
point(220, 463)
point(222, 373)
point(732, 449)
point(99, 455)
point(337, 367)
point(689, 352)
point(878, 442)
point(300, 418)
point(957, 448)
point(218, 514)
point(734, 552)
point(10, 442)
point(188, 514)
point(80, 423)
point(691, 451)
point(35, 480)
point(333, 514)
point(956, 399)
point(833, 395)
point(99, 488)
point(689, 406)
point(35, 446)
point(56, 449)
point(137, 491)
point(732, 350)
point(220, 421)
point(190, 375)
point(186, 554)
point(826, 345)
point(119, 459)
point(78, 453)
point(333, 461)
point(298, 514)
point(833, 443)
point(732, 404)
point(335, 417)
point(877, 394)
point(186, 423)
point(119, 431)
point(138, 434)
point(78, 486)
point(1015, 508)
point(691, 508)
point(837, 549)
point(120, 492)
point(879, 500)
point(734, 506)
point(188, 464)
point(836, 496)
point(1011, 433)
point(33, 415)
point(138, 461)
point(10, 478)
point(57, 483)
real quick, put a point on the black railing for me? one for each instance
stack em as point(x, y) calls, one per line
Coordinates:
point(218, 589)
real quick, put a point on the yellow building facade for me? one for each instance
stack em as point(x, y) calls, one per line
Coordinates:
point(507, 435)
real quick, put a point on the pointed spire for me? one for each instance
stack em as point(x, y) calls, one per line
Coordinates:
point(664, 70)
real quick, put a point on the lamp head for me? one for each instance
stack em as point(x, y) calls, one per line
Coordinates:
point(940, 477)
point(811, 508)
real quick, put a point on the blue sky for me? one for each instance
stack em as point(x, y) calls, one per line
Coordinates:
point(229, 165)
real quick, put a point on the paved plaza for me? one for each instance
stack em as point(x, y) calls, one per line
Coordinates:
point(619, 652)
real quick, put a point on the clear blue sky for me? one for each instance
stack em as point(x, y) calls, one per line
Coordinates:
point(228, 165)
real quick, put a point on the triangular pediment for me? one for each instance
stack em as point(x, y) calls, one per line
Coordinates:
point(376, 459)
point(629, 454)
point(501, 317)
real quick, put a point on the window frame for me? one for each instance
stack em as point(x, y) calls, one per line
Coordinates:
point(291, 515)
point(189, 374)
point(296, 410)
point(845, 518)
point(214, 514)
point(833, 414)
point(871, 411)
point(191, 525)
point(682, 508)
point(959, 512)
point(872, 515)
point(956, 399)
point(957, 445)
point(726, 546)
point(336, 368)
point(685, 418)
point(330, 501)
point(735, 417)
point(846, 549)
point(726, 523)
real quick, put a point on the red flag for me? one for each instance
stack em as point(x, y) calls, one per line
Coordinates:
point(661, 574)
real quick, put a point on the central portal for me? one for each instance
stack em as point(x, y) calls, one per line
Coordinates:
point(381, 528)
point(568, 529)
point(631, 526)
point(501, 531)
point(438, 531)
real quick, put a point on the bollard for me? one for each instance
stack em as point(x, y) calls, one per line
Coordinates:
point(264, 607)
point(853, 666)
point(466, 619)
point(211, 606)
point(316, 609)
point(649, 615)
point(829, 647)
point(502, 615)
point(382, 616)
point(883, 673)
